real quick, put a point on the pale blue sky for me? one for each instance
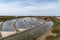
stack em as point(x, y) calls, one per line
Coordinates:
point(30, 7)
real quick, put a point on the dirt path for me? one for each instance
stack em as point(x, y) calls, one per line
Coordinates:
point(58, 17)
point(44, 35)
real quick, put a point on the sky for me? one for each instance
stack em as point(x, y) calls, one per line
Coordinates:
point(30, 7)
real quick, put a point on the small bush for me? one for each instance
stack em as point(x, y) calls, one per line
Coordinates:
point(50, 38)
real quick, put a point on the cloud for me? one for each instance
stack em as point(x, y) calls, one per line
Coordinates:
point(29, 7)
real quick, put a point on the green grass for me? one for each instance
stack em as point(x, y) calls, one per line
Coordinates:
point(30, 37)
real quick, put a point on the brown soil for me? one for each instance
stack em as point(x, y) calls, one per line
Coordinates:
point(45, 35)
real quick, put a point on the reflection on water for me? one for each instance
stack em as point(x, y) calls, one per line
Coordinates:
point(8, 26)
point(20, 24)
